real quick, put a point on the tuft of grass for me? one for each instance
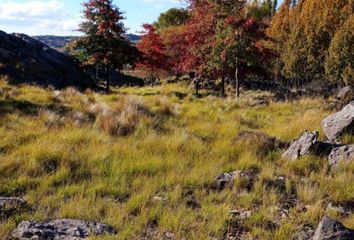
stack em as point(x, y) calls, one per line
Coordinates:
point(124, 119)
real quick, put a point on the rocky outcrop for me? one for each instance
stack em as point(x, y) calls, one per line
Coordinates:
point(24, 59)
point(306, 144)
point(330, 229)
point(343, 153)
point(11, 205)
point(60, 229)
point(301, 146)
point(339, 123)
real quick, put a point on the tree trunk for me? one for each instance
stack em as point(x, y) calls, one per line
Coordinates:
point(237, 82)
point(196, 86)
point(223, 86)
point(107, 80)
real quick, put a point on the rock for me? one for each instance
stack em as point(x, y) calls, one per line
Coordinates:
point(301, 146)
point(346, 95)
point(330, 229)
point(152, 231)
point(240, 214)
point(306, 233)
point(339, 123)
point(343, 153)
point(11, 205)
point(266, 143)
point(190, 199)
point(160, 198)
point(24, 59)
point(288, 201)
point(60, 229)
point(345, 208)
point(226, 179)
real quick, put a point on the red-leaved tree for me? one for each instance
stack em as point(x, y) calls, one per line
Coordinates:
point(104, 44)
point(152, 49)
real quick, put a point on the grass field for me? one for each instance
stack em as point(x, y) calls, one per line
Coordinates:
point(127, 159)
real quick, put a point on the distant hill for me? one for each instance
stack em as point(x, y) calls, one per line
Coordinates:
point(26, 60)
point(58, 42)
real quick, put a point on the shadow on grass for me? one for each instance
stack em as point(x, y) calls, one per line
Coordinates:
point(28, 108)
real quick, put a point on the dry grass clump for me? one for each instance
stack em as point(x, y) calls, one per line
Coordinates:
point(124, 119)
point(120, 120)
point(165, 107)
point(9, 92)
point(53, 119)
point(71, 95)
point(50, 118)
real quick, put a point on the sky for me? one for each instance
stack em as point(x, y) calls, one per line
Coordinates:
point(61, 17)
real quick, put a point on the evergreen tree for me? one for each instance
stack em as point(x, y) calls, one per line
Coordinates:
point(104, 45)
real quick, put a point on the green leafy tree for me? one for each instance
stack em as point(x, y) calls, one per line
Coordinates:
point(172, 17)
point(239, 49)
point(261, 10)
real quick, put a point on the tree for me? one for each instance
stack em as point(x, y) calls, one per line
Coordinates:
point(172, 17)
point(340, 59)
point(104, 45)
point(304, 32)
point(152, 49)
point(261, 10)
point(200, 29)
point(239, 48)
point(176, 47)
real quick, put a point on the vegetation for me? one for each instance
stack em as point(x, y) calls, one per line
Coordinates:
point(127, 158)
point(306, 35)
point(304, 42)
point(154, 59)
point(170, 18)
point(104, 45)
point(145, 160)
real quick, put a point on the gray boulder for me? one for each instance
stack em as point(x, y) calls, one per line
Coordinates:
point(343, 153)
point(301, 146)
point(24, 59)
point(226, 179)
point(339, 123)
point(330, 229)
point(60, 229)
point(10, 206)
